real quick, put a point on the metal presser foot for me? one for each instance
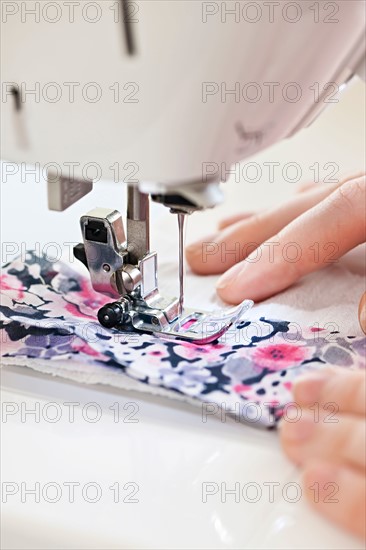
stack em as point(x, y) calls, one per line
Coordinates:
point(126, 270)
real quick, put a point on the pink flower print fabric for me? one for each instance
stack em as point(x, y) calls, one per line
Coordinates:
point(48, 311)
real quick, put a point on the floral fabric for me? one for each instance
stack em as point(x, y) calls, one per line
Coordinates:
point(48, 311)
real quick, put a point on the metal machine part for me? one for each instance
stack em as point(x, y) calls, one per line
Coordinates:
point(188, 197)
point(126, 270)
point(64, 191)
point(194, 326)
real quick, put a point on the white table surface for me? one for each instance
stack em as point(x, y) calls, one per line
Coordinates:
point(170, 452)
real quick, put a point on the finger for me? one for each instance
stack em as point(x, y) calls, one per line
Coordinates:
point(339, 438)
point(230, 220)
point(338, 493)
point(237, 241)
point(314, 240)
point(362, 312)
point(306, 186)
point(347, 389)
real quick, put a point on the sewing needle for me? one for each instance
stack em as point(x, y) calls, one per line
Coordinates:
point(181, 220)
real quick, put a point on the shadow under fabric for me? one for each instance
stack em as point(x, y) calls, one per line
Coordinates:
point(48, 323)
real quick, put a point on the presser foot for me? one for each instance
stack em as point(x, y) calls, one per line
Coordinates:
point(199, 327)
point(126, 270)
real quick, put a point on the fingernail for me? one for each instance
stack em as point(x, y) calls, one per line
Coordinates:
point(230, 277)
point(308, 388)
point(298, 431)
point(322, 474)
point(199, 246)
point(194, 248)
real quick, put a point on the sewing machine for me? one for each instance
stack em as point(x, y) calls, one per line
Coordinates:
point(166, 97)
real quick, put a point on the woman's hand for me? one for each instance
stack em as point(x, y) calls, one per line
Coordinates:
point(331, 449)
point(262, 254)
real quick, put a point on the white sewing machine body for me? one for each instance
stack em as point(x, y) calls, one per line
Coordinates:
point(206, 83)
